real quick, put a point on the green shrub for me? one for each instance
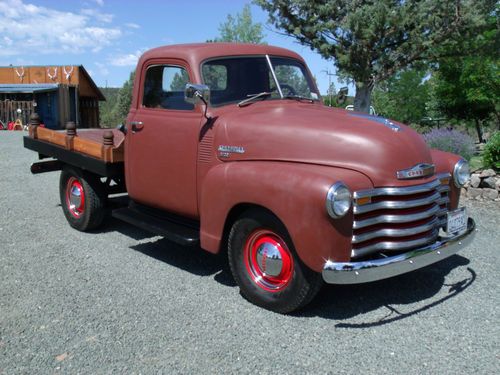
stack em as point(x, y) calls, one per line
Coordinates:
point(491, 153)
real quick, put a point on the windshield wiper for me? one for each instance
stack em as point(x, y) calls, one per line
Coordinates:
point(252, 97)
point(299, 98)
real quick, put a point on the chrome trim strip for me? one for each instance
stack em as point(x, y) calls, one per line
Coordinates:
point(443, 175)
point(435, 210)
point(436, 197)
point(443, 188)
point(407, 190)
point(271, 68)
point(388, 232)
point(393, 245)
point(372, 270)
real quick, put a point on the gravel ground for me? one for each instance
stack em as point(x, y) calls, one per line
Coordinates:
point(121, 301)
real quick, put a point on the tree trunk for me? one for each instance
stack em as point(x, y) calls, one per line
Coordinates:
point(362, 99)
point(479, 131)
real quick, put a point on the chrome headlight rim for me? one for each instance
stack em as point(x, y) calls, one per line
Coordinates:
point(338, 200)
point(459, 178)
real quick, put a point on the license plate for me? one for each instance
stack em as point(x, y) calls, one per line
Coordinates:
point(456, 221)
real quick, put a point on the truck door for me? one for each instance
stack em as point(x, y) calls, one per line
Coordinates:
point(161, 148)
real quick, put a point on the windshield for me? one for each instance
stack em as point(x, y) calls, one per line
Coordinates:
point(234, 79)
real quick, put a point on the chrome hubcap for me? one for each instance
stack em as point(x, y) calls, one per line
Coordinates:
point(268, 261)
point(75, 197)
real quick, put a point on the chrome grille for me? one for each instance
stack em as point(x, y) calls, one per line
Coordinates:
point(399, 218)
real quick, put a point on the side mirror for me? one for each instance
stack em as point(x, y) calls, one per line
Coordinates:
point(194, 93)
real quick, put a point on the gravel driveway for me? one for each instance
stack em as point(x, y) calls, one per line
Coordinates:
point(122, 301)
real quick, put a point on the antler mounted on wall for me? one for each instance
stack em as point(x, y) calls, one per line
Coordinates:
point(20, 74)
point(68, 73)
point(52, 76)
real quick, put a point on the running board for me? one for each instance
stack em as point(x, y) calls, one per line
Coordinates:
point(167, 226)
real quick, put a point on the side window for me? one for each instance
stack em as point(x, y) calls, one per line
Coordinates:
point(164, 88)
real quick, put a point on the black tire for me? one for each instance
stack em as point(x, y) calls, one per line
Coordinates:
point(87, 210)
point(294, 286)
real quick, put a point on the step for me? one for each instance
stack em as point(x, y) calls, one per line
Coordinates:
point(168, 226)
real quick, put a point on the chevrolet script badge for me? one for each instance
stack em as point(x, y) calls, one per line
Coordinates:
point(419, 170)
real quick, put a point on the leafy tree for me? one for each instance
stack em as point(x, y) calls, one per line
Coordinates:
point(106, 107)
point(241, 28)
point(370, 41)
point(468, 88)
point(124, 99)
point(403, 97)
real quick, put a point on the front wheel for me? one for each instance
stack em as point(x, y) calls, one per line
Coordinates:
point(265, 265)
point(82, 198)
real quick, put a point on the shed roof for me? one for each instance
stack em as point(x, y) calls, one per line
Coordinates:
point(11, 88)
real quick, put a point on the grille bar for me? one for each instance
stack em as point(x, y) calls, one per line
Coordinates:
point(389, 232)
point(434, 210)
point(397, 204)
point(407, 190)
point(389, 245)
point(399, 218)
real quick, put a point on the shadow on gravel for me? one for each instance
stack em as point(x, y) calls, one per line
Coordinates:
point(342, 302)
point(190, 259)
point(338, 302)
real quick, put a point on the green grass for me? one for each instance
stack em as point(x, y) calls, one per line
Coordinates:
point(476, 162)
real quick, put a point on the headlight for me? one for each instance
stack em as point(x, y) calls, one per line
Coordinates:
point(461, 173)
point(338, 200)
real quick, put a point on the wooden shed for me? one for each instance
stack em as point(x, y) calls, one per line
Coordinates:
point(57, 93)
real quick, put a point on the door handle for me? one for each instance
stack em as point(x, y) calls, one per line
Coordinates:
point(136, 126)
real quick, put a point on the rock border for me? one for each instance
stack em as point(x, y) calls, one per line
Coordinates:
point(483, 186)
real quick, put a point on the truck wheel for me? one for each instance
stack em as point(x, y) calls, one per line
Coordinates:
point(82, 198)
point(265, 266)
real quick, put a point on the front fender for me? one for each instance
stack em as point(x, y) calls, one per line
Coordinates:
point(295, 193)
point(445, 162)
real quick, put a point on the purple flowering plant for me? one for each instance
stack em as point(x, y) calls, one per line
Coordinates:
point(451, 140)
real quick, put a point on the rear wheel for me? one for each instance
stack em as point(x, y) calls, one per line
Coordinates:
point(82, 198)
point(265, 265)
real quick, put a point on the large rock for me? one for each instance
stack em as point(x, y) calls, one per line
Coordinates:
point(497, 184)
point(488, 182)
point(487, 173)
point(475, 180)
point(474, 193)
point(490, 194)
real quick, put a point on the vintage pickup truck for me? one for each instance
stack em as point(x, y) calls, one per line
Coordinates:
point(229, 147)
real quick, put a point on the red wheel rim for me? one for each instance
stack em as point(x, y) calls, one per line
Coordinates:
point(268, 260)
point(75, 197)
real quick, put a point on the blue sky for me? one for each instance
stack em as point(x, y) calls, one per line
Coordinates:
point(108, 36)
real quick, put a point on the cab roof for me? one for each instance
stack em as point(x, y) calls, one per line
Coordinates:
point(196, 53)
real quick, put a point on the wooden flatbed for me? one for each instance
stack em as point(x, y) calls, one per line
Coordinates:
point(96, 150)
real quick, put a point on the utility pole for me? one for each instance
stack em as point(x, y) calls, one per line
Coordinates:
point(329, 74)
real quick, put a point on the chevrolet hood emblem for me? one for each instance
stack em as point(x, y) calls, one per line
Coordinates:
point(417, 171)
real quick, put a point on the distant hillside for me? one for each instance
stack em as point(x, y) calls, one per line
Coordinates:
point(107, 119)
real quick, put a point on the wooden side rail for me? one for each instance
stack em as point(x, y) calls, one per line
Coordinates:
point(86, 143)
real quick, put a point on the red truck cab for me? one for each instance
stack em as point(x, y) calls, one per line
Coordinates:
point(229, 146)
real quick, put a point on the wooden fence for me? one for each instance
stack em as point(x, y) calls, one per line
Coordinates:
point(8, 110)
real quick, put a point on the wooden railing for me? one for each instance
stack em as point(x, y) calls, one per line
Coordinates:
point(8, 110)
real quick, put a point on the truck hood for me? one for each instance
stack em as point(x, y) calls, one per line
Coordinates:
point(312, 133)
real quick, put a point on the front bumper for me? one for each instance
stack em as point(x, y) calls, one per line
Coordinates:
point(372, 270)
